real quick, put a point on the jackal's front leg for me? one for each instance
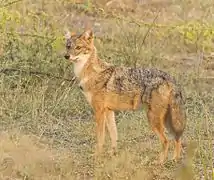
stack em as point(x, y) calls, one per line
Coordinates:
point(100, 130)
point(112, 129)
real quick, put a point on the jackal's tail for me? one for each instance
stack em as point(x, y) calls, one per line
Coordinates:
point(176, 117)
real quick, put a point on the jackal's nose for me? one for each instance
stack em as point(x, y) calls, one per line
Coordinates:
point(66, 56)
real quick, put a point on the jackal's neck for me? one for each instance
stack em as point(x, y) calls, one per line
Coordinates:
point(90, 65)
point(93, 56)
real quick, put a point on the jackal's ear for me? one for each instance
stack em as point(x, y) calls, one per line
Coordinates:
point(67, 35)
point(88, 35)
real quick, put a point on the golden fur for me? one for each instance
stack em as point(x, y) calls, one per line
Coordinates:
point(108, 88)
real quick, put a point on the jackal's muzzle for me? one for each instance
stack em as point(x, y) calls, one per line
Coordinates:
point(67, 56)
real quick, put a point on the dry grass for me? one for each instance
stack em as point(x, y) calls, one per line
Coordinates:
point(55, 137)
point(24, 157)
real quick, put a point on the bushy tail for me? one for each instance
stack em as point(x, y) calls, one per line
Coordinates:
point(176, 115)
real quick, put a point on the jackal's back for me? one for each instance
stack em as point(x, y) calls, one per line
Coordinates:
point(122, 80)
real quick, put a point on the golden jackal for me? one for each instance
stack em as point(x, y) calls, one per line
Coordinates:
point(108, 88)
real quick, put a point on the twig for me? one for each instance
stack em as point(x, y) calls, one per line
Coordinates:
point(32, 35)
point(147, 32)
point(8, 70)
point(10, 3)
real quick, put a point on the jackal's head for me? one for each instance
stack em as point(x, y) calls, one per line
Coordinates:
point(79, 47)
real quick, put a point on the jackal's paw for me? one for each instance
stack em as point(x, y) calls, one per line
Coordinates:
point(176, 160)
point(98, 157)
point(162, 159)
point(113, 152)
point(97, 154)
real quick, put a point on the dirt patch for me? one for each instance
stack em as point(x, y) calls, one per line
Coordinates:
point(24, 157)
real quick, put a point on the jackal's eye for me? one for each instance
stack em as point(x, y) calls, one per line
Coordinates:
point(78, 47)
point(68, 44)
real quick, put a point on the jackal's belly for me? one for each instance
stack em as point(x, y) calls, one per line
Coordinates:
point(123, 101)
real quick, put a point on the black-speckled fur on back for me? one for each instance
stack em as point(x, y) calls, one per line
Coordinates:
point(122, 79)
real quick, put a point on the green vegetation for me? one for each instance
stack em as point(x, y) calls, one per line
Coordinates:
point(47, 127)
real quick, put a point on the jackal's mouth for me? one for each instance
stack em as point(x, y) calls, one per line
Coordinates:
point(73, 58)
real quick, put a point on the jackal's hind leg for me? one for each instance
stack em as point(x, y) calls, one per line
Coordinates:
point(165, 143)
point(158, 128)
point(177, 150)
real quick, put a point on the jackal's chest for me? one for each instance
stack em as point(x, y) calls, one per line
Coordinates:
point(83, 87)
point(78, 66)
point(88, 96)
